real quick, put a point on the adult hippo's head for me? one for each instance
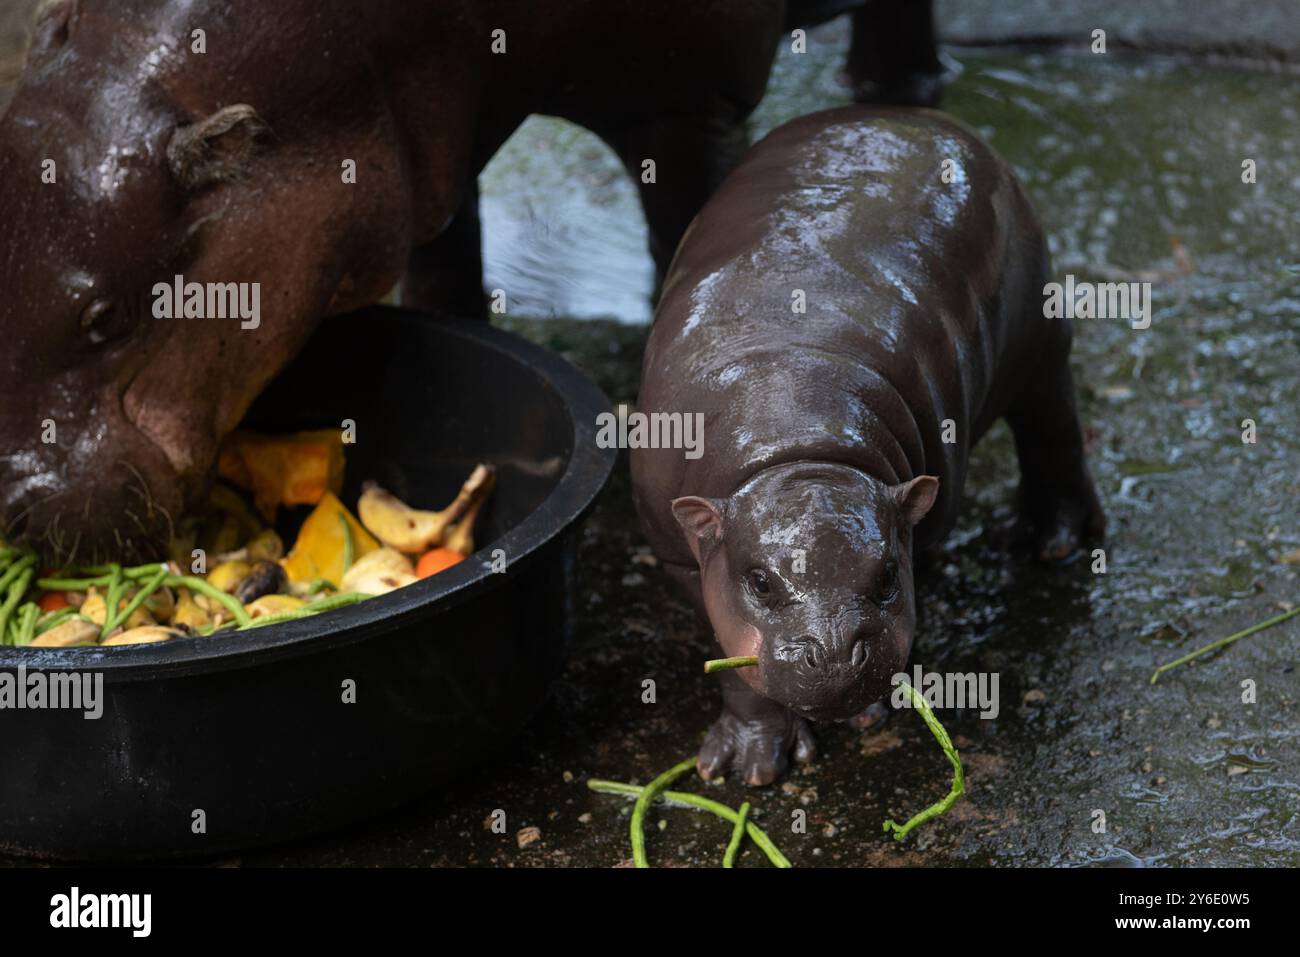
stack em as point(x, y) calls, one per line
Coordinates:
point(124, 163)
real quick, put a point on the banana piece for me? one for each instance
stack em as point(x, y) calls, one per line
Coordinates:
point(413, 530)
point(273, 605)
point(460, 538)
point(67, 634)
point(379, 572)
point(142, 636)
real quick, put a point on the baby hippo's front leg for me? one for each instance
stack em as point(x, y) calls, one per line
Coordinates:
point(754, 735)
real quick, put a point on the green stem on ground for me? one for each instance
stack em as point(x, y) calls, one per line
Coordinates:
point(643, 802)
point(737, 837)
point(756, 834)
point(1223, 642)
point(958, 775)
point(722, 664)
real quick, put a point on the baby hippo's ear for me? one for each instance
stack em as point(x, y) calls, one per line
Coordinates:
point(916, 498)
point(701, 522)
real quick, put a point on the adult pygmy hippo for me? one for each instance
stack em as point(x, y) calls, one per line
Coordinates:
point(867, 280)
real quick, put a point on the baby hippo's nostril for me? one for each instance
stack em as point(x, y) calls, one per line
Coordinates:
point(812, 655)
point(860, 653)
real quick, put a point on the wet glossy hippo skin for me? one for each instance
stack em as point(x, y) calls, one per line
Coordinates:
point(824, 467)
point(226, 167)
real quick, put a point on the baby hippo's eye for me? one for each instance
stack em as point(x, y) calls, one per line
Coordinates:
point(759, 584)
point(102, 320)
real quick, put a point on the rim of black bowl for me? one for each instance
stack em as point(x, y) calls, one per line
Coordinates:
point(586, 473)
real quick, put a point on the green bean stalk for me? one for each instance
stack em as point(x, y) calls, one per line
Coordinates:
point(723, 664)
point(737, 837)
point(656, 790)
point(958, 775)
point(1224, 642)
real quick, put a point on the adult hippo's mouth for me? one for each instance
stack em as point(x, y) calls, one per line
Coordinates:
point(119, 518)
point(97, 488)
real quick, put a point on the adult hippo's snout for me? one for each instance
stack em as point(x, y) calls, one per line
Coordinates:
point(99, 489)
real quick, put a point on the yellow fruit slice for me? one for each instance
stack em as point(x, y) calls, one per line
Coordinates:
point(321, 545)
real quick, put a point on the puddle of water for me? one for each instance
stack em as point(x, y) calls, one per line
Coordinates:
point(563, 232)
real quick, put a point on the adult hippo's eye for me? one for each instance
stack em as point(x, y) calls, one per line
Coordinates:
point(889, 586)
point(102, 320)
point(759, 584)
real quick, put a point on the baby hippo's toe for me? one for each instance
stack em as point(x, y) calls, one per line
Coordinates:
point(760, 749)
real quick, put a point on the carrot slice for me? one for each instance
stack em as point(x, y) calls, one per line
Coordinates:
point(437, 560)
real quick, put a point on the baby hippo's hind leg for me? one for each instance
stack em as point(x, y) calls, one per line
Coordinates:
point(1058, 502)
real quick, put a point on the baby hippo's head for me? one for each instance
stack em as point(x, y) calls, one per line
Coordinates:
point(809, 568)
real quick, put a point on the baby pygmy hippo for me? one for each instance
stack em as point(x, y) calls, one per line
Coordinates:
point(858, 303)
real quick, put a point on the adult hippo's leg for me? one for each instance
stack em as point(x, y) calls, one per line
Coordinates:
point(445, 276)
point(894, 55)
point(692, 154)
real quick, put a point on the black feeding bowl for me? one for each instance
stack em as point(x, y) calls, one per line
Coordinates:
point(252, 729)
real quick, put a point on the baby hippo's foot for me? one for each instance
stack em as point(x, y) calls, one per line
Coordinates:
point(1058, 524)
point(758, 746)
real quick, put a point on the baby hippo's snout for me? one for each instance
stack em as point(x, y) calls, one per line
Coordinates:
point(851, 654)
point(830, 677)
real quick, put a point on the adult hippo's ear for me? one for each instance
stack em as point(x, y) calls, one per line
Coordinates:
point(701, 522)
point(916, 498)
point(217, 148)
